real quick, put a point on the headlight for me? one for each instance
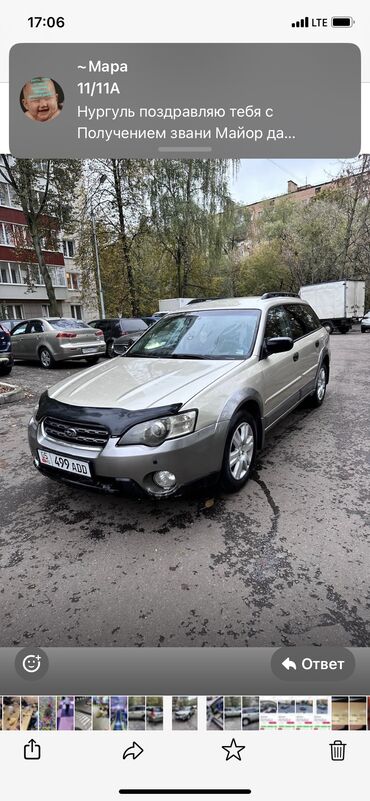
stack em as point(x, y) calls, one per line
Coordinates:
point(154, 432)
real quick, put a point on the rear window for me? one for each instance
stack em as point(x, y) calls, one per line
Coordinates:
point(131, 324)
point(67, 323)
point(305, 316)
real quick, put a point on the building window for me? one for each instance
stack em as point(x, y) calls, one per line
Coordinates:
point(15, 235)
point(4, 274)
point(72, 280)
point(15, 273)
point(45, 310)
point(76, 312)
point(57, 275)
point(4, 196)
point(10, 273)
point(14, 312)
point(69, 248)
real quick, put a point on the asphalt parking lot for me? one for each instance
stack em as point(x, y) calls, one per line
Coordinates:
point(283, 562)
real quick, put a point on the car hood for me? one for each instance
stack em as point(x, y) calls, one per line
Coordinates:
point(137, 383)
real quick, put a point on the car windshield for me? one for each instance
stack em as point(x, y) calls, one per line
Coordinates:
point(210, 334)
point(67, 323)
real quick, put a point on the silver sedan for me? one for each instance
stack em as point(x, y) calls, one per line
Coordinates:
point(56, 339)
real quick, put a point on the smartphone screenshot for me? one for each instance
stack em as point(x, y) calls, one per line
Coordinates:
point(184, 401)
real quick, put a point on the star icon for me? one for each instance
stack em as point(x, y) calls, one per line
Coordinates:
point(233, 750)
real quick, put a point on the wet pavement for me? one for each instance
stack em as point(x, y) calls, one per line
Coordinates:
point(283, 562)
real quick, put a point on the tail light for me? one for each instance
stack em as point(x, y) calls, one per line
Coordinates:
point(66, 335)
point(99, 333)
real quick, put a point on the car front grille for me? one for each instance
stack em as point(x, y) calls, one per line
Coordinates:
point(84, 434)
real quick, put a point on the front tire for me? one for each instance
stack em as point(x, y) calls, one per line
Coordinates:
point(240, 452)
point(6, 370)
point(320, 389)
point(47, 361)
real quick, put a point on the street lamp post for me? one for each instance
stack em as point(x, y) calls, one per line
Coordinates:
point(100, 290)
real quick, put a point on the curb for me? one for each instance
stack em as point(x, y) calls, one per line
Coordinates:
point(14, 394)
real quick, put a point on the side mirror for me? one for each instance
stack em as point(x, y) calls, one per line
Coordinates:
point(277, 345)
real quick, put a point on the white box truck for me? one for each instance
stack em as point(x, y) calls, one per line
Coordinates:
point(337, 304)
point(173, 304)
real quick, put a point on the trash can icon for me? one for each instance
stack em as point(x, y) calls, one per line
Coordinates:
point(338, 750)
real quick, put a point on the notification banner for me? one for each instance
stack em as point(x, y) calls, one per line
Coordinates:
point(181, 100)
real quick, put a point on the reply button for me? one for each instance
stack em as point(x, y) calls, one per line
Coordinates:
point(298, 664)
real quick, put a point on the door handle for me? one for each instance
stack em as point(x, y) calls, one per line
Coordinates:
point(317, 343)
point(296, 357)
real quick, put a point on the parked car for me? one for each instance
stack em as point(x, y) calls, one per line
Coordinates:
point(6, 356)
point(123, 343)
point(232, 711)
point(116, 327)
point(191, 401)
point(137, 712)
point(56, 339)
point(269, 707)
point(185, 713)
point(9, 324)
point(365, 323)
point(250, 714)
point(150, 320)
point(154, 714)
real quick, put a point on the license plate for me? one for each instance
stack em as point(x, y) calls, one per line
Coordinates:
point(64, 463)
point(89, 350)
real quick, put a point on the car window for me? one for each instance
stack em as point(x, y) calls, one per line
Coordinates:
point(305, 317)
point(34, 327)
point(68, 323)
point(131, 324)
point(296, 322)
point(19, 329)
point(277, 323)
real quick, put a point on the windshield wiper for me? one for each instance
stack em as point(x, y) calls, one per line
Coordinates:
point(187, 356)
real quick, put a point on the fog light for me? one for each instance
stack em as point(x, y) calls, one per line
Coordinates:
point(164, 479)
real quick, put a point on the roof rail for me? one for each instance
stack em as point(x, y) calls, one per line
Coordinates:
point(268, 295)
point(202, 300)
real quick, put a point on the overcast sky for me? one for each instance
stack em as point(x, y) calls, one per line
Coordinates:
point(261, 178)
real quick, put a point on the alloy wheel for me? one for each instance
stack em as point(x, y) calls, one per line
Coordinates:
point(241, 451)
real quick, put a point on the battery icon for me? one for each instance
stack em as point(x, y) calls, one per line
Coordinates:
point(342, 22)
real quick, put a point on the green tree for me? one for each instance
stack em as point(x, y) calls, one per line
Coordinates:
point(187, 200)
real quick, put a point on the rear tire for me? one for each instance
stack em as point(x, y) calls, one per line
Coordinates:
point(92, 359)
point(240, 452)
point(47, 361)
point(329, 327)
point(317, 398)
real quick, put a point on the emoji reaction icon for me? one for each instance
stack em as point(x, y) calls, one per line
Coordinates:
point(31, 663)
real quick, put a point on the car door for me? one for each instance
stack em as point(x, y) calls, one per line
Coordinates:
point(18, 340)
point(33, 336)
point(309, 340)
point(281, 371)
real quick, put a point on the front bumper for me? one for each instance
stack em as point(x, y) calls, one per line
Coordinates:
point(194, 458)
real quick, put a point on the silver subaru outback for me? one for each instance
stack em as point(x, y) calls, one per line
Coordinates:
point(189, 402)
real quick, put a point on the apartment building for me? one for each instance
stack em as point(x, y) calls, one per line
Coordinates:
point(22, 289)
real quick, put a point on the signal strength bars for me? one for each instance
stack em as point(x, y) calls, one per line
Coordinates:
point(301, 23)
